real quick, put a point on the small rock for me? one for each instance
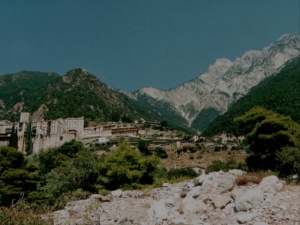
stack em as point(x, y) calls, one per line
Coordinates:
point(225, 183)
point(244, 218)
point(271, 184)
point(260, 223)
point(101, 198)
point(184, 192)
point(236, 192)
point(199, 180)
point(116, 193)
point(283, 207)
point(178, 222)
point(193, 206)
point(221, 201)
point(158, 210)
point(237, 172)
point(166, 185)
point(250, 199)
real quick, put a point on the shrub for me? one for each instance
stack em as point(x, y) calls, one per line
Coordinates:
point(78, 173)
point(290, 161)
point(267, 134)
point(126, 168)
point(161, 153)
point(15, 176)
point(182, 172)
point(76, 195)
point(22, 215)
point(246, 178)
point(218, 165)
point(199, 155)
point(143, 147)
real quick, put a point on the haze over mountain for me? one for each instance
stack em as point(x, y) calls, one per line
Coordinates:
point(202, 99)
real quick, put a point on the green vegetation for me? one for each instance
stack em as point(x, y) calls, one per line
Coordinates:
point(279, 93)
point(218, 165)
point(23, 215)
point(126, 168)
point(75, 94)
point(28, 87)
point(290, 161)
point(161, 153)
point(143, 147)
point(181, 172)
point(270, 137)
point(205, 118)
point(71, 172)
point(17, 178)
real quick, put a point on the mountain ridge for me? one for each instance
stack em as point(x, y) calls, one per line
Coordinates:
point(193, 104)
point(224, 82)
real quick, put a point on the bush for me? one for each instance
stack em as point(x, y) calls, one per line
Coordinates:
point(182, 172)
point(218, 165)
point(161, 153)
point(246, 178)
point(126, 168)
point(22, 215)
point(76, 195)
point(290, 161)
point(143, 147)
point(267, 134)
point(220, 147)
point(215, 166)
point(16, 177)
point(78, 173)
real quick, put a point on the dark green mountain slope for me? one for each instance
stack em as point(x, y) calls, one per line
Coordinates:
point(23, 91)
point(279, 93)
point(77, 93)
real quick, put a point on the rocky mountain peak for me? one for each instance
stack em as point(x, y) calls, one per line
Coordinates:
point(225, 81)
point(220, 66)
point(153, 92)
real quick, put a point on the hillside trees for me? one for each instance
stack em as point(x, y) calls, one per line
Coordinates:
point(267, 134)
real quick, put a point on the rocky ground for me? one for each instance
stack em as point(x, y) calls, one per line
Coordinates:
point(209, 199)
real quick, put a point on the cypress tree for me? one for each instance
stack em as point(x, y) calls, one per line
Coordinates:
point(28, 139)
point(13, 141)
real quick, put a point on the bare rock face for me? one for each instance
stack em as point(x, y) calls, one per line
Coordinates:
point(252, 204)
point(224, 82)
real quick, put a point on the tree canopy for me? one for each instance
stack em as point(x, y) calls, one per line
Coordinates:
point(16, 177)
point(267, 134)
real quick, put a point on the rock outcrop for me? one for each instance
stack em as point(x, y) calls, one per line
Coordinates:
point(209, 199)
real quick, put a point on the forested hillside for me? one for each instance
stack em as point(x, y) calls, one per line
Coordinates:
point(279, 93)
point(77, 93)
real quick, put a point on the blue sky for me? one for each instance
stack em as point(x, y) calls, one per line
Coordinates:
point(131, 44)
